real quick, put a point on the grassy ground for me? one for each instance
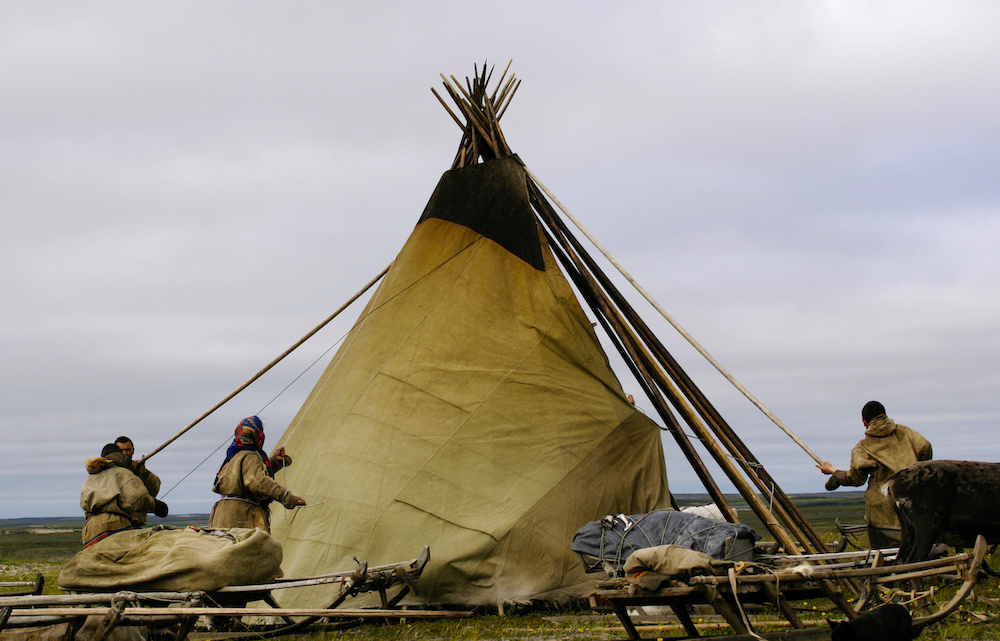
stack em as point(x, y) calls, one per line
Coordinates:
point(28, 548)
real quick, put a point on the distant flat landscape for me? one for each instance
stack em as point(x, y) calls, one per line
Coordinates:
point(821, 509)
point(76, 522)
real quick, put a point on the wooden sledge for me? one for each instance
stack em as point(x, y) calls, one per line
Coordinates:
point(178, 613)
point(798, 577)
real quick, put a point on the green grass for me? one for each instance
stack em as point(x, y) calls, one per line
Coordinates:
point(39, 544)
point(29, 550)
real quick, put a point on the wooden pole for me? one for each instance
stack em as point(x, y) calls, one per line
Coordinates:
point(268, 366)
point(446, 108)
point(631, 356)
point(141, 611)
point(720, 456)
point(792, 516)
point(789, 511)
point(722, 370)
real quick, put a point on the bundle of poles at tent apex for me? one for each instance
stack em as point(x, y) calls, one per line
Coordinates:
point(666, 384)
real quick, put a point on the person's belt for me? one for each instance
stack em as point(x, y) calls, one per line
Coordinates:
point(240, 498)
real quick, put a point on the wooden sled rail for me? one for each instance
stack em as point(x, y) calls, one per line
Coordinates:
point(725, 594)
point(415, 564)
point(181, 611)
point(969, 579)
point(36, 586)
point(820, 572)
point(857, 556)
point(88, 599)
point(144, 612)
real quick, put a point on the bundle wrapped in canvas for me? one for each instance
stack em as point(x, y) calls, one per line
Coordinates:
point(180, 560)
point(607, 543)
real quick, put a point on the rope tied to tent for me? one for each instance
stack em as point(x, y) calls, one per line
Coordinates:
point(415, 282)
point(670, 319)
point(263, 371)
point(310, 366)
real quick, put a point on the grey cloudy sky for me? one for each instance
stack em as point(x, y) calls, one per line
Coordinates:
point(810, 188)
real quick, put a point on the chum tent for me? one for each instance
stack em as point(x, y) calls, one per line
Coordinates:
point(471, 407)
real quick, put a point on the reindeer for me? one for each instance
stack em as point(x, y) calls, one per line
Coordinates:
point(947, 502)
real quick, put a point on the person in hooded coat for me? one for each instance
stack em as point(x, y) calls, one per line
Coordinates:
point(113, 497)
point(887, 448)
point(246, 481)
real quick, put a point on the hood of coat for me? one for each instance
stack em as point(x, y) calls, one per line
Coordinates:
point(97, 464)
point(101, 463)
point(881, 425)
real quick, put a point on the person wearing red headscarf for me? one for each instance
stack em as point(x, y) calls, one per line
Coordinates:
point(246, 481)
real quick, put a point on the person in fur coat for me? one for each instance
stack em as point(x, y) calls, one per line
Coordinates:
point(113, 497)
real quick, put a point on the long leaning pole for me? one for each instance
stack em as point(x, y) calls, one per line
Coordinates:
point(271, 364)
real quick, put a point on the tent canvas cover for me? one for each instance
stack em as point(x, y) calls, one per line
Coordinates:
point(472, 409)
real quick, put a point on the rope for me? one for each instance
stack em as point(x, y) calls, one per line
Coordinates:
point(266, 405)
point(690, 339)
point(303, 372)
point(310, 366)
point(736, 598)
point(293, 427)
point(193, 470)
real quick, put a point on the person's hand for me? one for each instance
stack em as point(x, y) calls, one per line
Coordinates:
point(290, 501)
point(826, 468)
point(139, 469)
point(279, 453)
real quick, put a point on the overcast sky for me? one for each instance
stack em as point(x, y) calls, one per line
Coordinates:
point(810, 188)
